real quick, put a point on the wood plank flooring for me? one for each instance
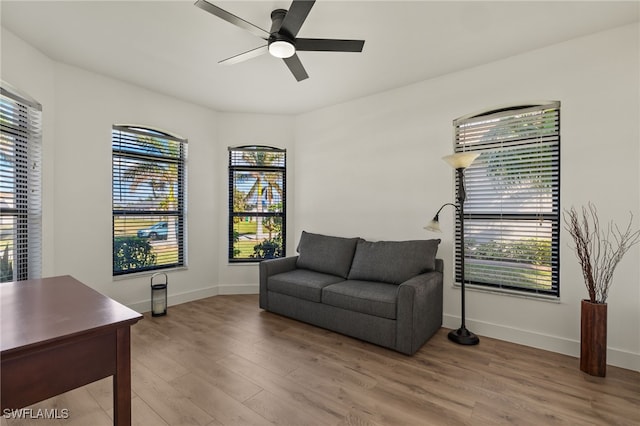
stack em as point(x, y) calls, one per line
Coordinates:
point(223, 361)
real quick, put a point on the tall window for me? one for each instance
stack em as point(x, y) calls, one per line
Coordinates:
point(512, 211)
point(20, 186)
point(148, 199)
point(257, 203)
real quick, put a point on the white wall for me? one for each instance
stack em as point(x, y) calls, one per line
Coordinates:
point(372, 168)
point(249, 129)
point(87, 106)
point(79, 109)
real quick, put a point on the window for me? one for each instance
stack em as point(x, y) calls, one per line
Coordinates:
point(512, 211)
point(257, 203)
point(20, 186)
point(148, 199)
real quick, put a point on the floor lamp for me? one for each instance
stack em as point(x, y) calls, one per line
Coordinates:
point(459, 162)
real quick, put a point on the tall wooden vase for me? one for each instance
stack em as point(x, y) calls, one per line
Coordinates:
point(593, 338)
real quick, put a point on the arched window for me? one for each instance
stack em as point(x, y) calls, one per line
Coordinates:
point(257, 203)
point(148, 199)
point(512, 211)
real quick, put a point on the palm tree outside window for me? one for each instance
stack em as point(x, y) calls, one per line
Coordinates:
point(257, 203)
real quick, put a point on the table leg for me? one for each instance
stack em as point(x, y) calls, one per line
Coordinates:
point(122, 379)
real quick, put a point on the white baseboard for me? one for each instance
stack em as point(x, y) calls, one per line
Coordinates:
point(615, 357)
point(189, 296)
point(176, 299)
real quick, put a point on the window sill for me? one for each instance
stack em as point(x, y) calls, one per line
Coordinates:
point(147, 273)
point(510, 293)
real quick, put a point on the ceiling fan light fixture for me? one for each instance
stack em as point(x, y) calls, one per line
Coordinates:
point(282, 49)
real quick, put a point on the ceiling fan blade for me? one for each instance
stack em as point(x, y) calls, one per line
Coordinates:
point(245, 56)
point(296, 16)
point(329, 45)
point(296, 68)
point(232, 19)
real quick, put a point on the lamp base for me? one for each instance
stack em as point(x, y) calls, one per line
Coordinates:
point(462, 336)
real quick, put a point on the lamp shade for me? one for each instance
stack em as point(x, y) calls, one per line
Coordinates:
point(433, 226)
point(461, 160)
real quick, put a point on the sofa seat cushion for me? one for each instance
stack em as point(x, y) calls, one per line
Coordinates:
point(324, 253)
point(367, 297)
point(393, 262)
point(301, 283)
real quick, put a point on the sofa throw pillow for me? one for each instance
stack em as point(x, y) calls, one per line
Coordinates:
point(323, 253)
point(393, 262)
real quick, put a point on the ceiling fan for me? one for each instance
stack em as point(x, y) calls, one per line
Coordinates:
point(281, 39)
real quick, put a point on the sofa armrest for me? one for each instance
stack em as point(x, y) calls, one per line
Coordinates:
point(272, 267)
point(419, 311)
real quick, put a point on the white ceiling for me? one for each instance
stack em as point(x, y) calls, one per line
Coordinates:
point(173, 47)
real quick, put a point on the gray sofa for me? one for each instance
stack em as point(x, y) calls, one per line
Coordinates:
point(388, 292)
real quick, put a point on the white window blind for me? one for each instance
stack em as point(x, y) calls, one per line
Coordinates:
point(257, 203)
point(148, 199)
point(20, 186)
point(512, 210)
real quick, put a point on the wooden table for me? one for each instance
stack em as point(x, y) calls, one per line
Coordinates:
point(57, 334)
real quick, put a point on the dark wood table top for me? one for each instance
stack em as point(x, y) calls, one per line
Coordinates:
point(42, 311)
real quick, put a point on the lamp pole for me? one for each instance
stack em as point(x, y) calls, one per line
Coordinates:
point(462, 335)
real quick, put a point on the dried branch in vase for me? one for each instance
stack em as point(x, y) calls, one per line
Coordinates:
point(599, 250)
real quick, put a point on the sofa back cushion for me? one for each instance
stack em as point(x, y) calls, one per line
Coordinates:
point(393, 262)
point(323, 253)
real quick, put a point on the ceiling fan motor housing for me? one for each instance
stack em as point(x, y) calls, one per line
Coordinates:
point(277, 16)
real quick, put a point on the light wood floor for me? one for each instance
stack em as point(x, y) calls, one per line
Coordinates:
point(222, 360)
